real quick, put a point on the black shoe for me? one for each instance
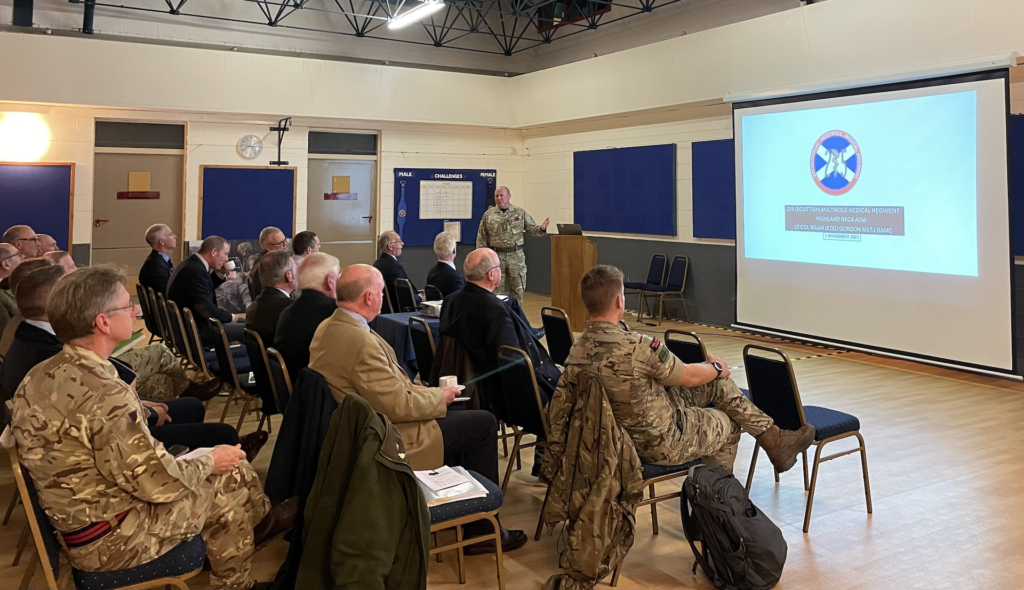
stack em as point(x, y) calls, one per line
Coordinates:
point(204, 390)
point(510, 541)
point(278, 521)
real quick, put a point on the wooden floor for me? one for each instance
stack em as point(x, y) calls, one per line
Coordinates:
point(947, 480)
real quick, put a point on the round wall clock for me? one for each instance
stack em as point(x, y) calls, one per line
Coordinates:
point(250, 146)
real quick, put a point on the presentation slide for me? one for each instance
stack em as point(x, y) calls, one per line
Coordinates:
point(879, 219)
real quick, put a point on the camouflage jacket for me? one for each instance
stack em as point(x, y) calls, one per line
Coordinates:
point(634, 370)
point(81, 433)
point(595, 479)
point(504, 229)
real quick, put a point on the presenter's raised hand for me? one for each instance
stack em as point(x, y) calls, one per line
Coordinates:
point(544, 226)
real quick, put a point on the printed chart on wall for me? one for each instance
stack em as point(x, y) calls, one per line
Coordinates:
point(429, 201)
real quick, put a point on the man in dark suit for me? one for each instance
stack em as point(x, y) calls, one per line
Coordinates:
point(272, 239)
point(318, 281)
point(192, 286)
point(390, 246)
point(444, 276)
point(277, 271)
point(157, 269)
point(481, 323)
point(173, 422)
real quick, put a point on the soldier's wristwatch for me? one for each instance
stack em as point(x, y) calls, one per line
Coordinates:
point(718, 367)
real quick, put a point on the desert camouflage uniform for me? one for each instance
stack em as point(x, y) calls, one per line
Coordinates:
point(160, 376)
point(81, 434)
point(502, 231)
point(668, 425)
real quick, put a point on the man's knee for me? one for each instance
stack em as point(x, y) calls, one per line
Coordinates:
point(187, 410)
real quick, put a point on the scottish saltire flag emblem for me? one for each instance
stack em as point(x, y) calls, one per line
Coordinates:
point(836, 162)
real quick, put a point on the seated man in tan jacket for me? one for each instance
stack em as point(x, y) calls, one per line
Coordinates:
point(353, 358)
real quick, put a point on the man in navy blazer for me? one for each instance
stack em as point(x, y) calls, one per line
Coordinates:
point(157, 268)
point(192, 286)
point(444, 275)
point(390, 246)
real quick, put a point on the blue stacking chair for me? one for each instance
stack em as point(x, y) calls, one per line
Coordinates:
point(169, 570)
point(558, 333)
point(673, 287)
point(406, 295)
point(236, 376)
point(690, 350)
point(655, 276)
point(423, 345)
point(773, 389)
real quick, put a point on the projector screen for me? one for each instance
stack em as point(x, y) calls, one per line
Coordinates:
point(879, 217)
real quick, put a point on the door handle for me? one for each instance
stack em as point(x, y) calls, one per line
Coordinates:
point(100, 222)
point(369, 217)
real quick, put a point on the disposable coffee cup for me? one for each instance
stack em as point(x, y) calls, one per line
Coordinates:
point(229, 266)
point(449, 381)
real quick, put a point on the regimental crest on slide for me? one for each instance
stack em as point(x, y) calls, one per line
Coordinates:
point(836, 162)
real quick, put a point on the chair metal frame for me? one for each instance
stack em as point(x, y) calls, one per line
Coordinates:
point(553, 312)
point(426, 291)
point(236, 391)
point(184, 349)
point(147, 311)
point(387, 299)
point(809, 487)
point(517, 444)
point(193, 329)
point(703, 349)
point(461, 542)
point(171, 341)
point(430, 338)
point(662, 294)
point(270, 376)
point(158, 315)
point(52, 582)
point(412, 294)
point(631, 291)
point(272, 352)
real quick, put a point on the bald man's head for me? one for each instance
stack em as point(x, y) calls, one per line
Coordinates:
point(360, 289)
point(482, 268)
point(10, 258)
point(47, 244)
point(23, 238)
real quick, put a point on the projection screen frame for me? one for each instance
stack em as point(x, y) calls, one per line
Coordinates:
point(997, 73)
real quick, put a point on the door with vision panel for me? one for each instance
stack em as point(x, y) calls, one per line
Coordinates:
point(341, 200)
point(120, 224)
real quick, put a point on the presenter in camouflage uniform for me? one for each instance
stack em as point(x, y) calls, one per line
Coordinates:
point(501, 230)
point(117, 498)
point(662, 403)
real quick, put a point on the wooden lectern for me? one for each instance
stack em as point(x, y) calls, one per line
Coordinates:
point(571, 258)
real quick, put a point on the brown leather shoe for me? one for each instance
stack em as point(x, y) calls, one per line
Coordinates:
point(203, 390)
point(252, 443)
point(510, 541)
point(783, 446)
point(277, 522)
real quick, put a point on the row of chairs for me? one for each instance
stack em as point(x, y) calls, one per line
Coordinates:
point(661, 285)
point(407, 296)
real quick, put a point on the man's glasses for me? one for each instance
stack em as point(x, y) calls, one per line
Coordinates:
point(494, 267)
point(276, 244)
point(12, 256)
point(131, 306)
point(32, 239)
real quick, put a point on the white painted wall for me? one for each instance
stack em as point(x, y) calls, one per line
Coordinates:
point(548, 174)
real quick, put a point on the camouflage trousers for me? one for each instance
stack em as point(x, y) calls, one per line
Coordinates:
point(223, 509)
point(713, 434)
point(160, 376)
point(513, 274)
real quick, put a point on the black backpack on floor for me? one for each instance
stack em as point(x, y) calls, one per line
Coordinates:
point(741, 549)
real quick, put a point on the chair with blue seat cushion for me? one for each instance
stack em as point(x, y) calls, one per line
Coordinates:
point(673, 287)
point(282, 380)
point(773, 389)
point(169, 570)
point(406, 295)
point(456, 514)
point(238, 389)
point(147, 314)
point(655, 276)
point(558, 333)
point(654, 474)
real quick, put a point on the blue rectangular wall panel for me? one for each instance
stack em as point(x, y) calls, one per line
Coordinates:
point(38, 195)
point(239, 202)
point(714, 189)
point(626, 190)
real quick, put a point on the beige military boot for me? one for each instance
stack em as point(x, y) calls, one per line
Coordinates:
point(783, 446)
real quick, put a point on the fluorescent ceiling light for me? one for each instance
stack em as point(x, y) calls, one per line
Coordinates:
point(419, 13)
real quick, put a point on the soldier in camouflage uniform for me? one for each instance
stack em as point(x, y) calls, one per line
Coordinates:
point(662, 403)
point(160, 376)
point(117, 498)
point(501, 229)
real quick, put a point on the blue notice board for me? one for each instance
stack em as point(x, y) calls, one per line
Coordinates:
point(1015, 143)
point(239, 202)
point(626, 190)
point(40, 196)
point(714, 189)
point(421, 232)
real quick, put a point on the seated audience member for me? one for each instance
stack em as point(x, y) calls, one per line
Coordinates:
point(47, 244)
point(271, 240)
point(277, 271)
point(62, 259)
point(390, 246)
point(192, 286)
point(481, 323)
point(23, 238)
point(660, 402)
point(303, 244)
point(157, 268)
point(23, 270)
point(443, 275)
point(318, 278)
point(353, 358)
point(119, 473)
point(10, 258)
point(173, 422)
